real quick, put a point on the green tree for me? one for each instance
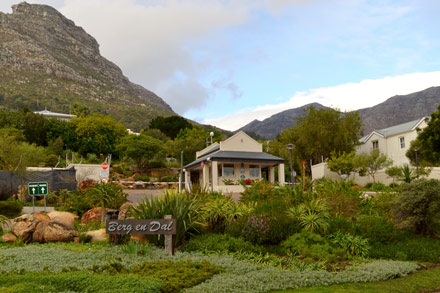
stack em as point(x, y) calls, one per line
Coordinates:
point(35, 129)
point(341, 163)
point(320, 132)
point(141, 149)
point(80, 110)
point(171, 125)
point(372, 162)
point(156, 133)
point(189, 141)
point(98, 133)
point(394, 172)
point(58, 128)
point(56, 146)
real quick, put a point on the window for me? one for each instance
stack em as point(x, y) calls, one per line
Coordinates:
point(254, 171)
point(402, 142)
point(375, 144)
point(228, 170)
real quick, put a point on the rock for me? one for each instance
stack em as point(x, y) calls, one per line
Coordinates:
point(98, 235)
point(24, 227)
point(139, 238)
point(8, 238)
point(53, 232)
point(92, 215)
point(76, 240)
point(65, 218)
point(41, 217)
point(124, 211)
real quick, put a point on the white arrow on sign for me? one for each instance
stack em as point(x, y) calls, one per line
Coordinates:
point(33, 190)
point(42, 189)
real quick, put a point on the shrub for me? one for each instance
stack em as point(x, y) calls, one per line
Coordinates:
point(418, 206)
point(176, 276)
point(312, 247)
point(376, 228)
point(312, 216)
point(6, 192)
point(353, 245)
point(143, 178)
point(183, 207)
point(172, 178)
point(51, 160)
point(343, 197)
point(207, 243)
point(134, 247)
point(157, 164)
point(10, 208)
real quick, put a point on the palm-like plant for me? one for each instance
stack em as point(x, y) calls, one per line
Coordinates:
point(107, 195)
point(312, 216)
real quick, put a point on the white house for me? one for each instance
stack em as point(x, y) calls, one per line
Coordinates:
point(393, 141)
point(220, 165)
point(60, 116)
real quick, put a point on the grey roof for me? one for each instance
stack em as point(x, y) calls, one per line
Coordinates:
point(393, 130)
point(54, 114)
point(214, 149)
point(232, 156)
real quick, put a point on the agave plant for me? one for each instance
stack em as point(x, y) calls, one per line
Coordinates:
point(312, 216)
point(181, 206)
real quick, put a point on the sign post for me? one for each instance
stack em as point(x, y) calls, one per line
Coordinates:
point(38, 188)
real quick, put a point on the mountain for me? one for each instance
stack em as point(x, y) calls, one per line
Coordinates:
point(400, 109)
point(393, 111)
point(270, 127)
point(48, 61)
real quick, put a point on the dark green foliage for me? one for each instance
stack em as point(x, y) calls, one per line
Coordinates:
point(10, 208)
point(51, 160)
point(417, 206)
point(35, 129)
point(312, 247)
point(6, 192)
point(78, 282)
point(176, 276)
point(56, 128)
point(342, 196)
point(143, 178)
point(172, 178)
point(171, 125)
point(57, 146)
point(208, 243)
point(376, 228)
point(408, 247)
point(353, 245)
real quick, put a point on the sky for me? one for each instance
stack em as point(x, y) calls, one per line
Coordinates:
point(229, 62)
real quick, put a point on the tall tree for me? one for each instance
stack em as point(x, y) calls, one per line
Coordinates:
point(372, 162)
point(320, 132)
point(189, 141)
point(171, 125)
point(141, 149)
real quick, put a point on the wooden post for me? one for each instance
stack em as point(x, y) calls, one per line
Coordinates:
point(113, 215)
point(169, 239)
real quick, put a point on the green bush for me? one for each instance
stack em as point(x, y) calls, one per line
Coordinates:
point(417, 206)
point(51, 160)
point(353, 245)
point(78, 282)
point(312, 247)
point(143, 178)
point(176, 276)
point(118, 169)
point(183, 207)
point(343, 197)
point(172, 178)
point(10, 208)
point(207, 243)
point(157, 164)
point(376, 228)
point(6, 192)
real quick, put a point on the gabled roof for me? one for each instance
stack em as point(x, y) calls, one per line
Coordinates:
point(394, 130)
point(54, 114)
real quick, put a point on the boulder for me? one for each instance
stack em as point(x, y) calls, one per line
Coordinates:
point(53, 232)
point(65, 218)
point(24, 227)
point(124, 211)
point(139, 238)
point(9, 238)
point(98, 235)
point(41, 217)
point(92, 215)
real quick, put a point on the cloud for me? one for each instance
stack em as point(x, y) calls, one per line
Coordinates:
point(228, 85)
point(346, 97)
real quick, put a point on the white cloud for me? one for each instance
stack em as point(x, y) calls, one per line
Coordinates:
point(346, 97)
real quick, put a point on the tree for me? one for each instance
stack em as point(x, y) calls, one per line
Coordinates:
point(58, 128)
point(98, 133)
point(418, 206)
point(372, 162)
point(156, 133)
point(80, 110)
point(394, 172)
point(320, 132)
point(171, 125)
point(189, 141)
point(140, 148)
point(341, 163)
point(35, 129)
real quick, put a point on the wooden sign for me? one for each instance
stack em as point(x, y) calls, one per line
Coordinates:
point(151, 226)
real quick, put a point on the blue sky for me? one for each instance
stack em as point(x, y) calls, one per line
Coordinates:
point(229, 62)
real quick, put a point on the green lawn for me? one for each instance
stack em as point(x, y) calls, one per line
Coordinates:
point(422, 281)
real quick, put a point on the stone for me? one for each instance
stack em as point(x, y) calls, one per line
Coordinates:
point(53, 232)
point(92, 215)
point(42, 217)
point(24, 227)
point(76, 240)
point(139, 238)
point(124, 211)
point(65, 218)
point(9, 238)
point(98, 235)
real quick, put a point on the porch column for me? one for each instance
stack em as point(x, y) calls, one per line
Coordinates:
point(187, 180)
point(272, 174)
point(281, 176)
point(214, 175)
point(205, 175)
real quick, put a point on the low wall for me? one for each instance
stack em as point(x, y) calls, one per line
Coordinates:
point(321, 170)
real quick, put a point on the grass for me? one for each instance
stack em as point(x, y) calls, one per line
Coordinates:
point(421, 281)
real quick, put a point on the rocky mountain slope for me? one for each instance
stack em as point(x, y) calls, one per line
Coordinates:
point(393, 111)
point(48, 61)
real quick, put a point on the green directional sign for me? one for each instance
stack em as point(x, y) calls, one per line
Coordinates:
point(38, 188)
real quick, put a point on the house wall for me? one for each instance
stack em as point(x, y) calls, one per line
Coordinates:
point(241, 142)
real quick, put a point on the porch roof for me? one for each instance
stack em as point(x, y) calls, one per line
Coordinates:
point(232, 156)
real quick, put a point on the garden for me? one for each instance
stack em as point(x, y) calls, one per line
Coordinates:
point(320, 235)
